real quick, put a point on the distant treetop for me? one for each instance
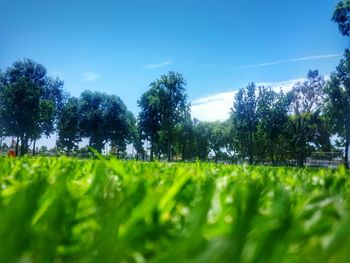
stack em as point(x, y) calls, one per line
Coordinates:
point(341, 16)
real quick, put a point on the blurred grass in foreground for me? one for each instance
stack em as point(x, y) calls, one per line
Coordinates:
point(70, 210)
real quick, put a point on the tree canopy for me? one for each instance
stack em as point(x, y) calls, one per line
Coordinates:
point(338, 102)
point(104, 118)
point(162, 112)
point(341, 16)
point(29, 101)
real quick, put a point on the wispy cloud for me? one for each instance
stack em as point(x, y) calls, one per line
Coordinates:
point(293, 60)
point(285, 86)
point(217, 106)
point(159, 65)
point(90, 76)
point(214, 107)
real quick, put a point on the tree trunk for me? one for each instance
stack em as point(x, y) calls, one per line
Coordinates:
point(17, 146)
point(272, 152)
point(183, 151)
point(151, 153)
point(169, 156)
point(300, 144)
point(34, 147)
point(170, 140)
point(24, 145)
point(68, 151)
point(301, 156)
point(169, 151)
point(21, 150)
point(300, 161)
point(251, 157)
point(346, 156)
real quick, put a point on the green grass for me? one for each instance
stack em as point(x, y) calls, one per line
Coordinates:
point(70, 210)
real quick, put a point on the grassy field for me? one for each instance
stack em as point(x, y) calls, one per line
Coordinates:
point(70, 210)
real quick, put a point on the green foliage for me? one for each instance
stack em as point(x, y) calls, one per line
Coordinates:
point(70, 210)
point(337, 106)
point(68, 126)
point(218, 134)
point(200, 143)
point(150, 118)
point(272, 110)
point(163, 111)
point(29, 101)
point(104, 118)
point(306, 125)
point(244, 118)
point(341, 16)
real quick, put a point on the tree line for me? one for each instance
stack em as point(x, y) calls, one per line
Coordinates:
point(34, 104)
point(265, 125)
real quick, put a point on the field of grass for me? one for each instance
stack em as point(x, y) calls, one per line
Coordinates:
point(70, 210)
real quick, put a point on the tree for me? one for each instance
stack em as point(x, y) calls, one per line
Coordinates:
point(341, 16)
point(305, 123)
point(121, 124)
point(94, 123)
point(43, 150)
point(173, 108)
point(138, 143)
point(104, 118)
point(30, 100)
point(2, 126)
point(184, 137)
point(272, 111)
point(68, 126)
point(150, 117)
point(200, 145)
point(216, 138)
point(338, 103)
point(228, 141)
point(4, 148)
point(244, 119)
point(163, 110)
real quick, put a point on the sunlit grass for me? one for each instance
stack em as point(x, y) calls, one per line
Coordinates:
point(71, 210)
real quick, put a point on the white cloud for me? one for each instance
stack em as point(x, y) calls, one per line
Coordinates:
point(285, 86)
point(214, 107)
point(90, 76)
point(217, 107)
point(159, 65)
point(293, 60)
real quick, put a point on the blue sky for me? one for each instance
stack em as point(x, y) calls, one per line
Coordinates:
point(119, 47)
